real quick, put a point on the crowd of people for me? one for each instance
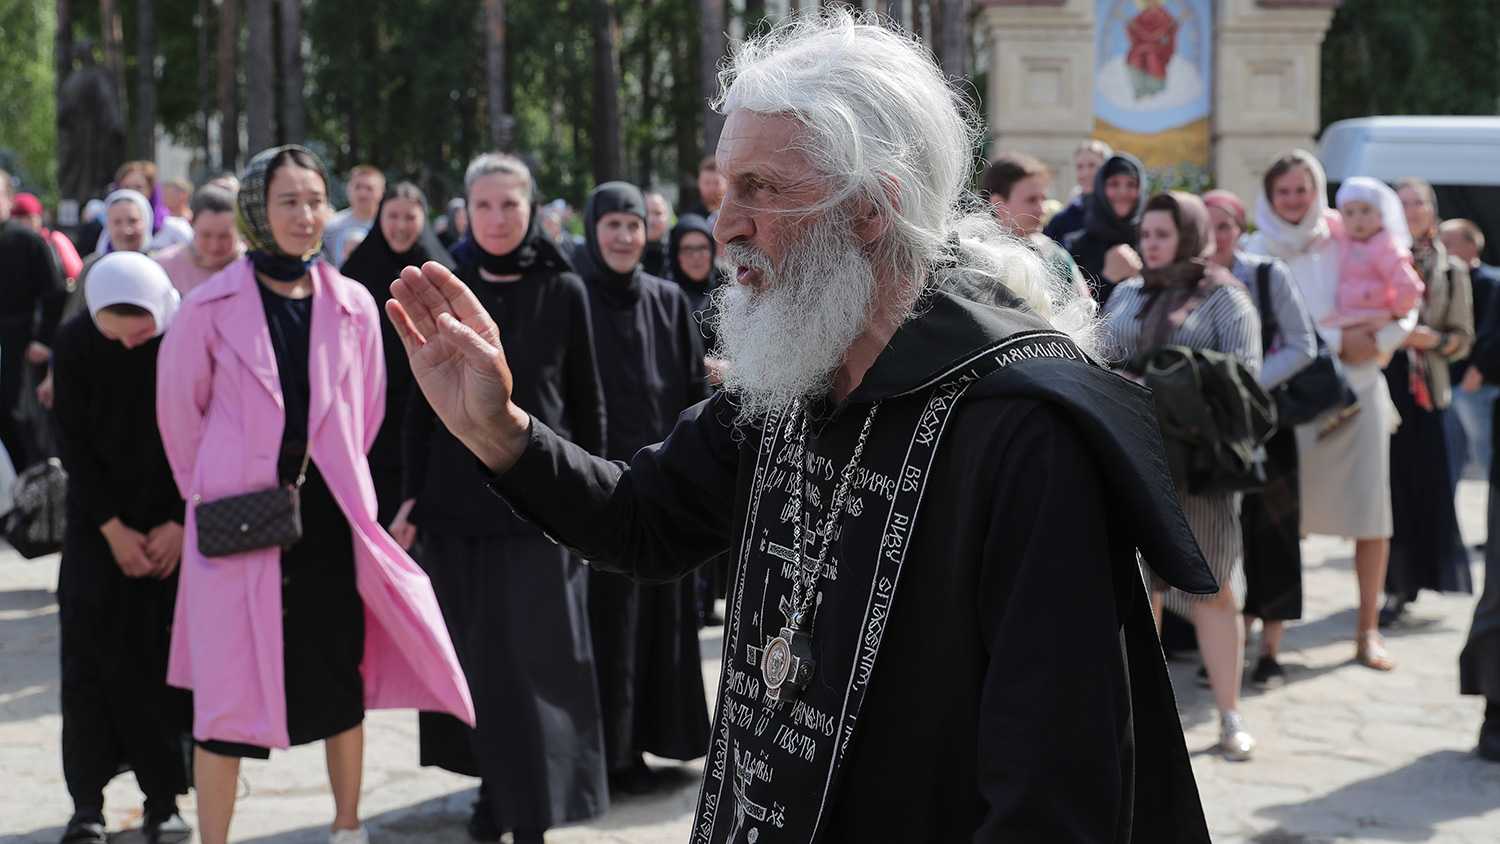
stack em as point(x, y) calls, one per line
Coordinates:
point(298, 491)
point(1381, 282)
point(281, 368)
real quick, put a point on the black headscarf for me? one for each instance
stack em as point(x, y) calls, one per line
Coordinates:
point(375, 264)
point(535, 253)
point(687, 224)
point(609, 198)
point(1099, 216)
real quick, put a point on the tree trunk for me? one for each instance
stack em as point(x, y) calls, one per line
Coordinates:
point(892, 10)
point(112, 31)
point(205, 81)
point(952, 33)
point(260, 86)
point(794, 7)
point(684, 116)
point(646, 166)
point(229, 106)
point(755, 13)
point(918, 22)
point(502, 125)
point(144, 114)
point(293, 109)
point(606, 130)
point(711, 50)
point(62, 46)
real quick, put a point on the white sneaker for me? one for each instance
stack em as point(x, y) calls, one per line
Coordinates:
point(1236, 742)
point(349, 836)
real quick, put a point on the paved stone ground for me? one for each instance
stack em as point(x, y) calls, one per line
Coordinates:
point(1346, 754)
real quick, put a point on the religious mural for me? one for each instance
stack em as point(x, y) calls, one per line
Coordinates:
point(1152, 82)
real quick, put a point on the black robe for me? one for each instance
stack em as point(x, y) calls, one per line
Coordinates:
point(118, 711)
point(1479, 662)
point(1020, 693)
point(375, 265)
point(515, 604)
point(646, 636)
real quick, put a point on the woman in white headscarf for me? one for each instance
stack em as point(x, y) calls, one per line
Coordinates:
point(118, 580)
point(1345, 467)
point(127, 222)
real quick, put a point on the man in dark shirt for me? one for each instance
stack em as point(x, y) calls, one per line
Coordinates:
point(32, 295)
point(937, 630)
point(1473, 400)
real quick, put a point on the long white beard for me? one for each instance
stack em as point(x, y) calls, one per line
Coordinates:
point(786, 340)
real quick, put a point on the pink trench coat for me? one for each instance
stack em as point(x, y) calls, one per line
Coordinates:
point(220, 409)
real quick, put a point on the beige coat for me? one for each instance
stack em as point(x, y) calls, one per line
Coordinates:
point(1447, 308)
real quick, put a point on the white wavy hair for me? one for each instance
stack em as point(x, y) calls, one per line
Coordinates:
point(885, 128)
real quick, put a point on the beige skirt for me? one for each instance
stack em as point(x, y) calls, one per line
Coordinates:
point(1346, 474)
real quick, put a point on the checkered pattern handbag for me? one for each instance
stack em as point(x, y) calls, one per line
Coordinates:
point(267, 518)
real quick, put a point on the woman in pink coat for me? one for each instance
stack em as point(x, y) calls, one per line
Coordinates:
point(273, 372)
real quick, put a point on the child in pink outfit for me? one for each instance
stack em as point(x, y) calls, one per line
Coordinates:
point(1378, 282)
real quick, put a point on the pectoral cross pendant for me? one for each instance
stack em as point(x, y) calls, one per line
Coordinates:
point(786, 663)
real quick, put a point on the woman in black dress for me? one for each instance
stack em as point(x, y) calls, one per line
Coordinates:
point(273, 375)
point(399, 238)
point(514, 601)
point(651, 362)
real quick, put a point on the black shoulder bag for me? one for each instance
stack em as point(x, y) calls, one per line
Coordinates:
point(267, 518)
point(1317, 388)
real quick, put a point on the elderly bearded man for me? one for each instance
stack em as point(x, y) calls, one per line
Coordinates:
point(932, 495)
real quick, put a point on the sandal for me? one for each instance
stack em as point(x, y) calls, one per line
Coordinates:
point(1371, 653)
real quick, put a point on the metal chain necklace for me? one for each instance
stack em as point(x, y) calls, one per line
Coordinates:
point(786, 663)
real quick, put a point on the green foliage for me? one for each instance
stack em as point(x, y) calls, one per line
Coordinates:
point(1433, 57)
point(28, 107)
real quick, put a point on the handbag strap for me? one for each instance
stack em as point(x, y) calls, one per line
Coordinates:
point(302, 472)
point(1268, 326)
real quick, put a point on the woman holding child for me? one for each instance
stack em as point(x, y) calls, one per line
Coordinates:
point(1345, 466)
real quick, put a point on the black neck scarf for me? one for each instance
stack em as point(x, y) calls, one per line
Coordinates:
point(535, 253)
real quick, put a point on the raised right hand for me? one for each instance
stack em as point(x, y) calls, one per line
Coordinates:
point(1121, 263)
point(457, 360)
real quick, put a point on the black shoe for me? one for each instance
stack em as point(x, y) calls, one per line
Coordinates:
point(482, 823)
point(1268, 672)
point(634, 781)
point(1489, 741)
point(85, 830)
point(169, 830)
point(528, 836)
point(1394, 609)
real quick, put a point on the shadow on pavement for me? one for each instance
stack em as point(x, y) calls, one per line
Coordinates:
point(28, 655)
point(1453, 784)
point(443, 820)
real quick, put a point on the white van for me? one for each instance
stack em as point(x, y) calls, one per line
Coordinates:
point(1460, 156)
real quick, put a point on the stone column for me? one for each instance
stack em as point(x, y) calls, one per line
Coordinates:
point(1041, 79)
point(1267, 83)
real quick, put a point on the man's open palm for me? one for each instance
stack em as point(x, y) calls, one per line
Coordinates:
point(457, 360)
